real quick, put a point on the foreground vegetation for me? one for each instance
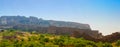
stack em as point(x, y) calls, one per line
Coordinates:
point(16, 38)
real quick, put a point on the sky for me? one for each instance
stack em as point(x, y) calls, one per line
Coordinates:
point(102, 15)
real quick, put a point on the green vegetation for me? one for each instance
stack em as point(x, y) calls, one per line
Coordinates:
point(15, 38)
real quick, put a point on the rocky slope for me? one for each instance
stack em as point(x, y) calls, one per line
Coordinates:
point(49, 26)
point(55, 27)
point(16, 20)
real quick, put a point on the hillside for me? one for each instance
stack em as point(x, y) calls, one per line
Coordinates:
point(72, 29)
point(17, 38)
point(12, 21)
point(48, 26)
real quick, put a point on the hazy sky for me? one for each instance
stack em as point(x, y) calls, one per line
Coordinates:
point(102, 15)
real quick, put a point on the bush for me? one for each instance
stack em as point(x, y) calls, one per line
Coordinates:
point(46, 39)
point(118, 43)
point(107, 45)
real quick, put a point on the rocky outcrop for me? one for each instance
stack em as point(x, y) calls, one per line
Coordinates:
point(55, 27)
point(16, 20)
point(74, 32)
point(110, 38)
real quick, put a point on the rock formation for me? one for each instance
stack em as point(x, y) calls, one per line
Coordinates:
point(16, 20)
point(49, 26)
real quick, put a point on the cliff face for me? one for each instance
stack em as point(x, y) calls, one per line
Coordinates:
point(49, 26)
point(16, 20)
